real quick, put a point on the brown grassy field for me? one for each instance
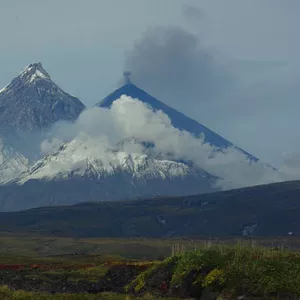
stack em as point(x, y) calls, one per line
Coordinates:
point(129, 248)
point(18, 247)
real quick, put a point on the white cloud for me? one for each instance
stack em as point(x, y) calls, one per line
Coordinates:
point(98, 131)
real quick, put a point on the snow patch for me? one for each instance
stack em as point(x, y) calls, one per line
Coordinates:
point(12, 164)
point(37, 75)
point(3, 90)
point(33, 72)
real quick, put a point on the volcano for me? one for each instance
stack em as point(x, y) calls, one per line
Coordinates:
point(178, 119)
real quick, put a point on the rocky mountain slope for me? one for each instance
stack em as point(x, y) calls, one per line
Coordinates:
point(32, 102)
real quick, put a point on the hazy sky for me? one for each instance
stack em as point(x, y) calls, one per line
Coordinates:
point(233, 65)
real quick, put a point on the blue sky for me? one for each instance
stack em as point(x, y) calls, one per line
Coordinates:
point(246, 91)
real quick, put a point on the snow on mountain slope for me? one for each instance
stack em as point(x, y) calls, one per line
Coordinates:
point(82, 171)
point(89, 159)
point(32, 102)
point(12, 163)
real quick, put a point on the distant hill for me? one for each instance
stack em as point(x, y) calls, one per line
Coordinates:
point(267, 210)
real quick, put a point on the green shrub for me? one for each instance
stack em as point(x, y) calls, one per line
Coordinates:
point(166, 267)
point(216, 277)
point(5, 293)
point(199, 262)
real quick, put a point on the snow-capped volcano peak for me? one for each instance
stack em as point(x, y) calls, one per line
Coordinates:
point(33, 72)
point(178, 119)
point(32, 102)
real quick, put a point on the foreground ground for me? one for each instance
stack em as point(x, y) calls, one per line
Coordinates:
point(209, 272)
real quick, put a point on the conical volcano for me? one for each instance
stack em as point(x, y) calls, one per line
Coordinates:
point(178, 119)
point(29, 105)
point(33, 102)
